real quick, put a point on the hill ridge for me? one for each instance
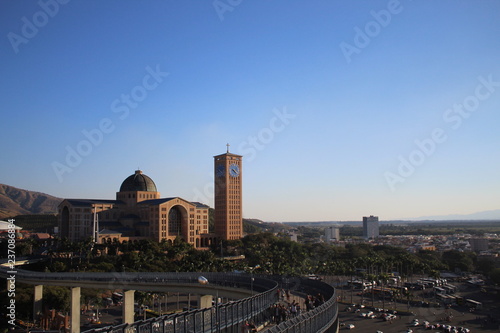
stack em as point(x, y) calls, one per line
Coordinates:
point(15, 201)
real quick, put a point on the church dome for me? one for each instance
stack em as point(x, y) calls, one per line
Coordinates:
point(138, 182)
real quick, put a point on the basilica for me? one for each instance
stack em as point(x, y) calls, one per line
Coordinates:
point(140, 213)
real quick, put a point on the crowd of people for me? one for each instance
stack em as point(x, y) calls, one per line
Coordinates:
point(287, 308)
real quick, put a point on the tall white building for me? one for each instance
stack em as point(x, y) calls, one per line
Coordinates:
point(370, 227)
point(332, 234)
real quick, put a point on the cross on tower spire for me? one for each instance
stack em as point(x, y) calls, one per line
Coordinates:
point(228, 147)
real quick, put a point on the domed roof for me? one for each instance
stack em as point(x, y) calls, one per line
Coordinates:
point(138, 182)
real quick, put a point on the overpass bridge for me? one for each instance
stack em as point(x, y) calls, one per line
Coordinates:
point(253, 294)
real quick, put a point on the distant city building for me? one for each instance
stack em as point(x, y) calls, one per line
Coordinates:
point(370, 227)
point(332, 234)
point(426, 247)
point(140, 213)
point(478, 244)
point(293, 235)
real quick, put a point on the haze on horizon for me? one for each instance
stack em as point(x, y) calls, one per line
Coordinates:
point(341, 109)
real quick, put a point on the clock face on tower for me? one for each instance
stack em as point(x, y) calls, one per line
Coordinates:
point(219, 171)
point(234, 170)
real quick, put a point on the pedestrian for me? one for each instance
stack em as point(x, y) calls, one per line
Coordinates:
point(276, 313)
point(245, 327)
point(293, 309)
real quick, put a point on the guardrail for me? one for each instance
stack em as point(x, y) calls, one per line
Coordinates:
point(323, 318)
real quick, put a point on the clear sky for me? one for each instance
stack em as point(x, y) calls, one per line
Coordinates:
point(341, 109)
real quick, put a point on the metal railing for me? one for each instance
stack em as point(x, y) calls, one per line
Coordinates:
point(226, 317)
point(229, 317)
point(323, 318)
point(221, 317)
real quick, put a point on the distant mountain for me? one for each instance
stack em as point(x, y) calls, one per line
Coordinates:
point(485, 215)
point(251, 226)
point(15, 201)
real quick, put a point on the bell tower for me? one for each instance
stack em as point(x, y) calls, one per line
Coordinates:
point(228, 200)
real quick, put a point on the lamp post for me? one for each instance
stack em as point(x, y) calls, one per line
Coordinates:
point(251, 276)
point(251, 285)
point(204, 281)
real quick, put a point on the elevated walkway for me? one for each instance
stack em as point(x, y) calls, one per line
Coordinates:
point(255, 294)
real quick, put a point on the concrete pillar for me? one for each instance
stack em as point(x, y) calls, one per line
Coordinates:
point(205, 301)
point(75, 310)
point(37, 302)
point(128, 307)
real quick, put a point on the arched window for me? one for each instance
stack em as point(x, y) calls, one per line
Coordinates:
point(174, 222)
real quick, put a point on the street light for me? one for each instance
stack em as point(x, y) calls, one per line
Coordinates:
point(204, 281)
point(251, 276)
point(251, 285)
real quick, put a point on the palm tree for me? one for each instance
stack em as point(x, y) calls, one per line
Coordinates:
point(382, 278)
point(395, 299)
point(351, 272)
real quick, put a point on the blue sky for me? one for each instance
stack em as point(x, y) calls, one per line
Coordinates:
point(341, 109)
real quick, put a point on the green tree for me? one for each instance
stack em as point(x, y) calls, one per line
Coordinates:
point(495, 276)
point(56, 298)
point(459, 260)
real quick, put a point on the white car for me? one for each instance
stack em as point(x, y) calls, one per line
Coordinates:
point(350, 326)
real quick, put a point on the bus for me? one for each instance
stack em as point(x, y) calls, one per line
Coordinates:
point(433, 282)
point(450, 289)
point(117, 297)
point(447, 299)
point(356, 284)
point(439, 290)
point(401, 290)
point(381, 291)
point(108, 301)
point(415, 285)
point(473, 304)
point(427, 283)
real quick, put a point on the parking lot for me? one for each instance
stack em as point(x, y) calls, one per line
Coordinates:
point(403, 322)
point(412, 318)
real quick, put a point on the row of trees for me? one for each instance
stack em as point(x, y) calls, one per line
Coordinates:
point(273, 254)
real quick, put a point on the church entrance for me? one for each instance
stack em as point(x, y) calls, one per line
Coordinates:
point(177, 221)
